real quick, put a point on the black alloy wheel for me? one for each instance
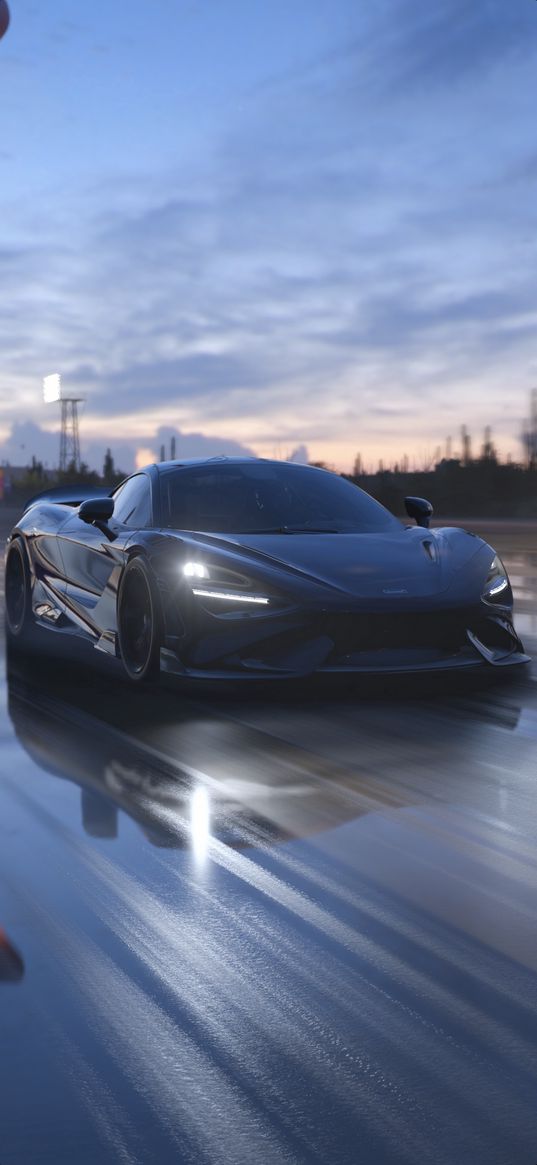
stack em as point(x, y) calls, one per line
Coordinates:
point(17, 593)
point(139, 622)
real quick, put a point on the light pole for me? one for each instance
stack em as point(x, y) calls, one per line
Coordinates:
point(69, 434)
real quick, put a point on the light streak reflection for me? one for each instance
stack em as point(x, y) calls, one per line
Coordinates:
point(200, 822)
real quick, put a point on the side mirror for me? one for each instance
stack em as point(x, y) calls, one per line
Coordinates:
point(420, 509)
point(96, 510)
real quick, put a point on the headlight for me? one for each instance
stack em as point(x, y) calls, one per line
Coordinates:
point(224, 585)
point(195, 570)
point(230, 596)
point(497, 587)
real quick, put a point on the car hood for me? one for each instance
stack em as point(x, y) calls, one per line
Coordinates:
point(412, 561)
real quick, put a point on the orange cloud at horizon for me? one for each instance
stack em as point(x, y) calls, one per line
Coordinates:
point(144, 456)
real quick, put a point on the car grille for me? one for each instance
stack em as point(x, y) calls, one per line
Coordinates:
point(413, 629)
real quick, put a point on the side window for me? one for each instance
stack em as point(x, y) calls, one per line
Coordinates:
point(133, 502)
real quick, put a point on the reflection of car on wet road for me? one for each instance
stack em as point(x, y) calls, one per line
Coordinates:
point(250, 568)
point(172, 803)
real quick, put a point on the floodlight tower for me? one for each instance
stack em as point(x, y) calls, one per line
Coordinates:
point(69, 434)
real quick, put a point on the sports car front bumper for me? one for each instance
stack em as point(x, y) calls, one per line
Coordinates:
point(297, 644)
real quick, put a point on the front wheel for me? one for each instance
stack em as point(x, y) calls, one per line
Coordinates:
point(139, 622)
point(18, 596)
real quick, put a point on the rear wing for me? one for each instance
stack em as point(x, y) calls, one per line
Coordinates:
point(67, 495)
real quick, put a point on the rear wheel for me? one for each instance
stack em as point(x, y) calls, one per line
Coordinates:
point(139, 622)
point(18, 598)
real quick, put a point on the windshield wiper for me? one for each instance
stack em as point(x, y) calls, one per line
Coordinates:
point(310, 530)
point(294, 530)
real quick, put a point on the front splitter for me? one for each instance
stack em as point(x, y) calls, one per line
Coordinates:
point(474, 660)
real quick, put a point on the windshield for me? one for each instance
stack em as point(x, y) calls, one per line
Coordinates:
point(263, 498)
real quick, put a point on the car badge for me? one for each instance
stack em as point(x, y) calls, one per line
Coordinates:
point(394, 591)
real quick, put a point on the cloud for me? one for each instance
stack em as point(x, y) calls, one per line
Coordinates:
point(171, 380)
point(452, 40)
point(345, 246)
point(192, 445)
point(300, 454)
point(27, 440)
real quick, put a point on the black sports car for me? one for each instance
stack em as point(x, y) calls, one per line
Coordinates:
point(233, 568)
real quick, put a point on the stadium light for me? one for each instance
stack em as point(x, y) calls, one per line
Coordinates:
point(52, 388)
point(69, 436)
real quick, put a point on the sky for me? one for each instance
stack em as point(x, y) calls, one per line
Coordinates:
point(302, 228)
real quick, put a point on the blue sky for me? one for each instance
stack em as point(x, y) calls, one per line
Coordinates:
point(266, 226)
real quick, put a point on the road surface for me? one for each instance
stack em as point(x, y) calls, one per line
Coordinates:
point(281, 928)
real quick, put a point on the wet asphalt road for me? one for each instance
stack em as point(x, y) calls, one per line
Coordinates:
point(288, 927)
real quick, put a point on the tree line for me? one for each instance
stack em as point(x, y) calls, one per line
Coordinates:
point(457, 488)
point(485, 488)
point(37, 477)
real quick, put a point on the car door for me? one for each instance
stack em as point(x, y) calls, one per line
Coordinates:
point(42, 530)
point(94, 556)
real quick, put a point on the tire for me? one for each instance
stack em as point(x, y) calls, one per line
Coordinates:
point(18, 595)
point(139, 622)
